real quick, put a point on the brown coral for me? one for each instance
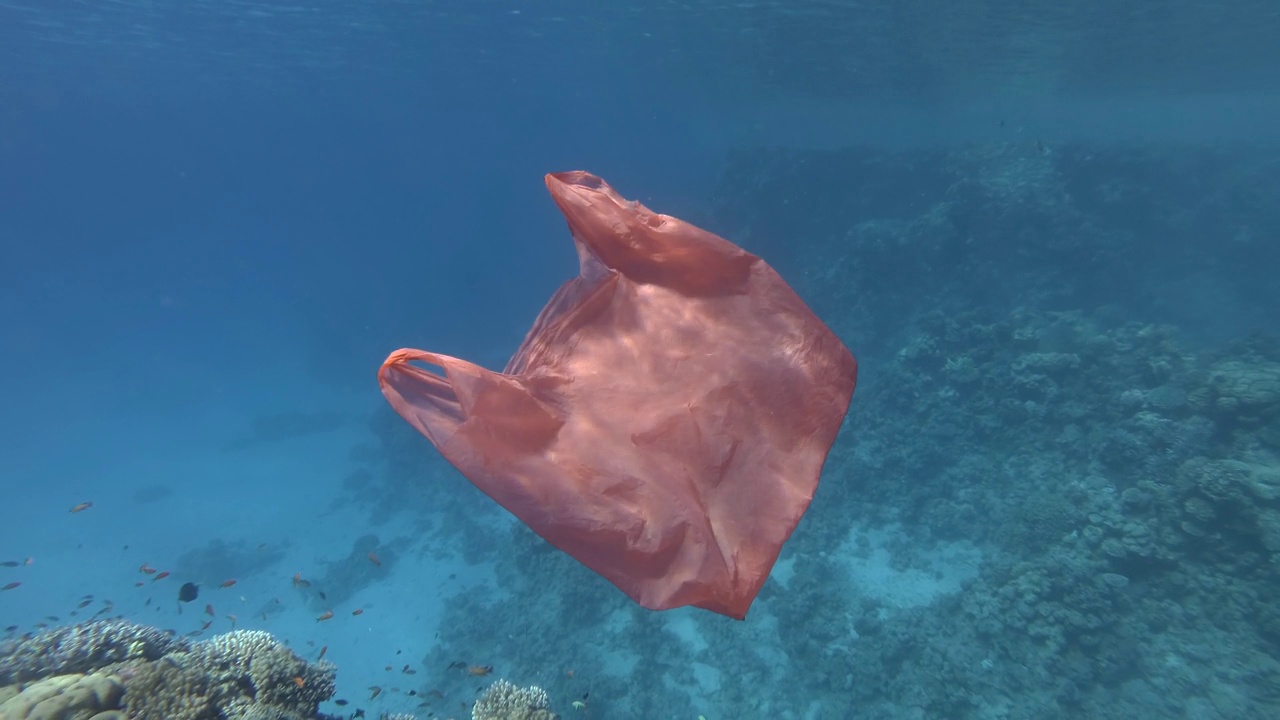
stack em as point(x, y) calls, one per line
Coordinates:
point(169, 689)
point(243, 675)
point(63, 697)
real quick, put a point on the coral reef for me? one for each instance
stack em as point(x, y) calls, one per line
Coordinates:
point(504, 701)
point(81, 649)
point(243, 675)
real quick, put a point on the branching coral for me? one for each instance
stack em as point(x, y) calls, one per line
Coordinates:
point(82, 648)
point(170, 689)
point(243, 675)
point(505, 701)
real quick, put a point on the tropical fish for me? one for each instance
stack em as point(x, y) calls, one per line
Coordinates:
point(10, 586)
point(82, 507)
point(161, 576)
point(226, 583)
point(145, 568)
point(10, 563)
point(373, 558)
point(188, 592)
point(358, 611)
point(324, 616)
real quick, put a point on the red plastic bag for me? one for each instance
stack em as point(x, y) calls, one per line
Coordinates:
point(666, 419)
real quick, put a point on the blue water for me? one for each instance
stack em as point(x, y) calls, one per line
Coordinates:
point(1049, 234)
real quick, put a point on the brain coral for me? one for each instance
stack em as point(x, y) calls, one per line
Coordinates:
point(1249, 390)
point(64, 697)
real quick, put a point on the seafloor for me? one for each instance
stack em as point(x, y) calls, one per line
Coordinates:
point(1057, 493)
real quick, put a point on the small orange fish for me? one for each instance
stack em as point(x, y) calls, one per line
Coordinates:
point(358, 611)
point(299, 582)
point(325, 616)
point(374, 559)
point(10, 586)
point(208, 609)
point(299, 682)
point(323, 650)
point(82, 507)
point(145, 568)
point(161, 576)
point(479, 670)
point(206, 626)
point(226, 583)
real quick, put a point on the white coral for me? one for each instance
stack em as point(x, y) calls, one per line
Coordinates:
point(505, 700)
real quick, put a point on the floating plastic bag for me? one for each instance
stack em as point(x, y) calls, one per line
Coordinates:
point(667, 417)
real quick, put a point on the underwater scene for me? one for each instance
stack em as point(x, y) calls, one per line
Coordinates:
point(688, 360)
